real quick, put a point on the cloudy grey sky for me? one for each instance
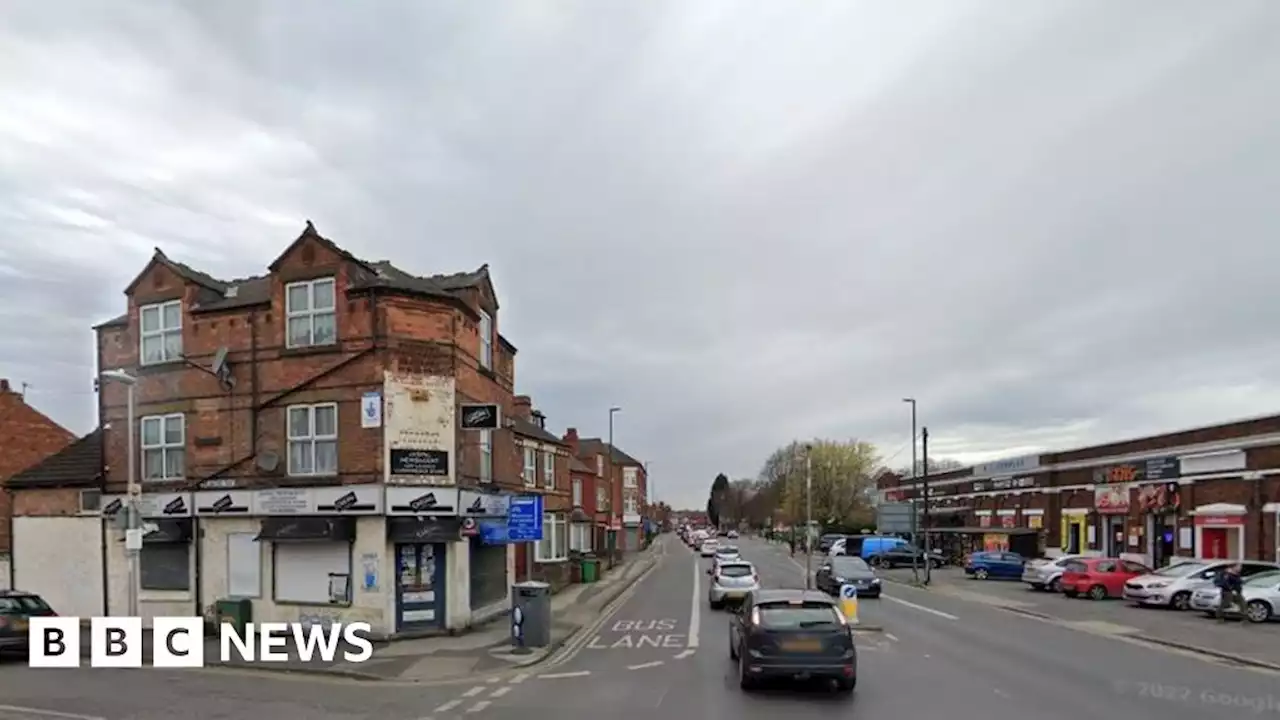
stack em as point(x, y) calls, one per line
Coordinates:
point(1053, 222)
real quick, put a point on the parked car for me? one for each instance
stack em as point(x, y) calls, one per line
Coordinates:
point(844, 570)
point(826, 541)
point(732, 582)
point(1046, 573)
point(16, 610)
point(732, 535)
point(1002, 565)
point(792, 634)
point(1261, 598)
point(1174, 585)
point(723, 553)
point(904, 555)
point(1099, 578)
point(707, 548)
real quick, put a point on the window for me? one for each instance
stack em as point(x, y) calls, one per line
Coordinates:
point(161, 335)
point(580, 537)
point(305, 571)
point(630, 506)
point(486, 456)
point(786, 616)
point(313, 439)
point(629, 477)
point(600, 465)
point(530, 472)
point(486, 340)
point(602, 502)
point(311, 309)
point(549, 470)
point(577, 492)
point(165, 566)
point(554, 545)
point(244, 566)
point(164, 447)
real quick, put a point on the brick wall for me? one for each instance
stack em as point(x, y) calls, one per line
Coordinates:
point(28, 437)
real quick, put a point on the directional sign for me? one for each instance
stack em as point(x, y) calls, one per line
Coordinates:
point(524, 519)
point(846, 591)
point(849, 603)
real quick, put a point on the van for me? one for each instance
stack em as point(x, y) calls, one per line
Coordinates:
point(876, 545)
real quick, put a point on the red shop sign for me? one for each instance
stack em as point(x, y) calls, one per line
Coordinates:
point(1219, 519)
point(1008, 521)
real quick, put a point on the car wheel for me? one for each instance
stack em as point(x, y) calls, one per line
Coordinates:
point(846, 685)
point(878, 562)
point(714, 605)
point(1097, 592)
point(981, 573)
point(1180, 601)
point(1038, 587)
point(1071, 593)
point(1257, 611)
point(745, 681)
point(1055, 585)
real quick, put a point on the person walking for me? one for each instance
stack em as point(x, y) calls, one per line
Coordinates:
point(1231, 591)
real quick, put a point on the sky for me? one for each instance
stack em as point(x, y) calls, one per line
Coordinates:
point(1051, 223)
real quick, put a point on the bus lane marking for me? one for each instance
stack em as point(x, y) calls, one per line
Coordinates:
point(637, 634)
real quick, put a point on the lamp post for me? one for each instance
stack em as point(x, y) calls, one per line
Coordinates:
point(915, 561)
point(808, 517)
point(612, 411)
point(133, 533)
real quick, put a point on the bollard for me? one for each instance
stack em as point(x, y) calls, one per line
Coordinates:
point(849, 603)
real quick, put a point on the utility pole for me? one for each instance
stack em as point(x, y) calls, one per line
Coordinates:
point(924, 486)
point(808, 517)
point(915, 470)
point(133, 512)
point(612, 509)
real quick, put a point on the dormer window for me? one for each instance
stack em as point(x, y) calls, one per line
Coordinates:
point(486, 340)
point(161, 335)
point(311, 309)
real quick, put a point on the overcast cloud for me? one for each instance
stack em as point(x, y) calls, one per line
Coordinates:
point(1052, 222)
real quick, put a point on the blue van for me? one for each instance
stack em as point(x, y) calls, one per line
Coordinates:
point(876, 545)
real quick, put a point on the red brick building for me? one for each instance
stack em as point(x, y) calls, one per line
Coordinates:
point(622, 483)
point(28, 436)
point(1210, 492)
point(318, 401)
point(544, 469)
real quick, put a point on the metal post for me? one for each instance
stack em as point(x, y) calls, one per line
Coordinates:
point(808, 517)
point(924, 488)
point(915, 528)
point(134, 490)
point(612, 509)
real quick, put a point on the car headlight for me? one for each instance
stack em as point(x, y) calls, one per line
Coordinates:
point(875, 581)
point(1157, 585)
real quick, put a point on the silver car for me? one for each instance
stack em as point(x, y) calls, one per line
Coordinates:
point(1046, 574)
point(1173, 586)
point(1261, 598)
point(732, 582)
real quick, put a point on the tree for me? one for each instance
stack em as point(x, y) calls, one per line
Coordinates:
point(716, 502)
point(842, 481)
point(713, 517)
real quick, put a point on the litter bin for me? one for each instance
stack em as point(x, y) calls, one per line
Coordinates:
point(590, 569)
point(531, 614)
point(239, 613)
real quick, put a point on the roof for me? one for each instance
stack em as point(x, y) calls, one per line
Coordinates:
point(596, 446)
point(788, 594)
point(576, 465)
point(520, 426)
point(77, 465)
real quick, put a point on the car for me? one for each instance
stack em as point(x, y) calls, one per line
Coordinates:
point(732, 535)
point(845, 570)
point(707, 548)
point(1046, 573)
point(826, 541)
point(1099, 578)
point(792, 635)
point(731, 582)
point(16, 610)
point(727, 552)
point(903, 555)
point(1173, 586)
point(1261, 598)
point(994, 564)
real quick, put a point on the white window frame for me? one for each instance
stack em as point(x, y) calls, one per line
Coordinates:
point(486, 456)
point(599, 466)
point(602, 499)
point(163, 447)
point(581, 537)
point(311, 439)
point(577, 492)
point(549, 470)
point(161, 332)
point(555, 534)
point(311, 312)
point(630, 505)
point(630, 477)
point(530, 471)
point(486, 340)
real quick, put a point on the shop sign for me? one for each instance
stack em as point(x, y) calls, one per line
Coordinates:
point(151, 505)
point(1161, 498)
point(1159, 468)
point(1111, 499)
point(480, 504)
point(1035, 522)
point(1218, 519)
point(1008, 466)
point(984, 521)
point(1008, 521)
point(284, 501)
point(1162, 468)
point(1008, 483)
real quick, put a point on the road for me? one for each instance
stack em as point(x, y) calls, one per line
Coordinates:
point(661, 651)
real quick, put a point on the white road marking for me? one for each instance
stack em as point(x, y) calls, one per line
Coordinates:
point(1002, 693)
point(448, 706)
point(519, 678)
point(48, 713)
point(891, 636)
point(685, 653)
point(500, 692)
point(642, 666)
point(479, 706)
point(474, 691)
point(921, 608)
point(695, 612)
point(559, 676)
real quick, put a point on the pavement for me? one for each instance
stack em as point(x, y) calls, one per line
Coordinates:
point(658, 649)
point(1237, 640)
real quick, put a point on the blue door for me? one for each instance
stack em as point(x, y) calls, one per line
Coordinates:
point(420, 588)
point(1010, 565)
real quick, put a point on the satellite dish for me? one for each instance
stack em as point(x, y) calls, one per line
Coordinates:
point(267, 461)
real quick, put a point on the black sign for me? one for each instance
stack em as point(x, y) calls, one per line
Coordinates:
point(480, 417)
point(1163, 468)
point(427, 502)
point(113, 507)
point(424, 530)
point(419, 462)
point(477, 506)
point(1160, 468)
point(308, 528)
point(176, 506)
point(347, 503)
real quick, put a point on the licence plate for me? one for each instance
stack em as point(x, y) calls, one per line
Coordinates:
point(802, 646)
point(735, 594)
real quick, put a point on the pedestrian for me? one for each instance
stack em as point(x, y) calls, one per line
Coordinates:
point(1231, 591)
point(793, 545)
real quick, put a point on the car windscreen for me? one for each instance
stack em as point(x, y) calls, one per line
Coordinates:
point(849, 565)
point(1181, 569)
point(797, 616)
point(735, 570)
point(727, 550)
point(17, 604)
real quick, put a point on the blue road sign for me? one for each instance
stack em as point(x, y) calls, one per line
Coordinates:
point(524, 518)
point(493, 532)
point(849, 591)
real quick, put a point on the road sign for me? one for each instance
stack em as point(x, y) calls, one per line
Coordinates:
point(524, 518)
point(849, 603)
point(894, 517)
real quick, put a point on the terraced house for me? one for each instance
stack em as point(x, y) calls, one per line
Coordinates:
point(1208, 492)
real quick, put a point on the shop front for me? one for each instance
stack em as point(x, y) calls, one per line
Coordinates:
point(491, 556)
point(1160, 503)
point(166, 560)
point(1077, 534)
point(424, 528)
point(1219, 531)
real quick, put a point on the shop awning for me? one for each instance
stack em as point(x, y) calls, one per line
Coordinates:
point(308, 529)
point(424, 529)
point(168, 531)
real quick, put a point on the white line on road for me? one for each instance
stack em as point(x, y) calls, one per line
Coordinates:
point(500, 692)
point(48, 713)
point(642, 666)
point(479, 706)
point(564, 675)
point(519, 678)
point(891, 636)
point(474, 691)
point(493, 680)
point(921, 608)
point(448, 706)
point(685, 653)
point(695, 613)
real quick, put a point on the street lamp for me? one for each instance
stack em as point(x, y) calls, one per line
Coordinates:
point(915, 561)
point(133, 535)
point(612, 509)
point(808, 517)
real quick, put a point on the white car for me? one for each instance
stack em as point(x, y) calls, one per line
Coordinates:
point(1261, 598)
point(732, 581)
point(708, 547)
point(1046, 574)
point(1174, 585)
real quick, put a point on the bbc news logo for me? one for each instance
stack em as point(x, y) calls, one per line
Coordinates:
point(179, 642)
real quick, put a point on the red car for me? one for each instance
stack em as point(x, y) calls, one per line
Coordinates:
point(1099, 578)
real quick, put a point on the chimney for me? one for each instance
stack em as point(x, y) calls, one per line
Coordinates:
point(571, 439)
point(539, 419)
point(522, 406)
point(4, 385)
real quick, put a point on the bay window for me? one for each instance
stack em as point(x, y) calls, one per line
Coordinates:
point(554, 545)
point(549, 470)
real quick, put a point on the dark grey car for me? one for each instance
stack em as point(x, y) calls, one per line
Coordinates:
point(846, 570)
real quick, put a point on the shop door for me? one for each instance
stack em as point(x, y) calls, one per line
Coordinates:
point(1215, 543)
point(1115, 536)
point(419, 586)
point(1074, 530)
